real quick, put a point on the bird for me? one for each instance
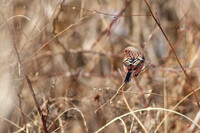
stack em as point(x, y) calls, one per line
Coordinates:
point(133, 62)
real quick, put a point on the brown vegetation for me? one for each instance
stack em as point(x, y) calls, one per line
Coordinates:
point(61, 66)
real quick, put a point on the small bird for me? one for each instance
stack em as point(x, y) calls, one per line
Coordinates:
point(133, 62)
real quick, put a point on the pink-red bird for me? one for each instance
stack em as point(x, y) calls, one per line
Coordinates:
point(133, 62)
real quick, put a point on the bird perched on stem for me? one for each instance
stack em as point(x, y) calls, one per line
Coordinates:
point(133, 62)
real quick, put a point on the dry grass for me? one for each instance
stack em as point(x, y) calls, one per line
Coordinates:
point(72, 52)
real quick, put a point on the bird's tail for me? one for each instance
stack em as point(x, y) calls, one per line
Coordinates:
point(128, 77)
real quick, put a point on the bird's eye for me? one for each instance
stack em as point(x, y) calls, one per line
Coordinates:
point(125, 51)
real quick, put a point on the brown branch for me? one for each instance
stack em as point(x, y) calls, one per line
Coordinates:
point(43, 28)
point(179, 38)
point(45, 44)
point(27, 79)
point(36, 103)
point(23, 120)
point(140, 88)
point(111, 99)
point(129, 108)
point(103, 13)
point(107, 30)
point(177, 25)
point(49, 99)
point(72, 51)
point(173, 52)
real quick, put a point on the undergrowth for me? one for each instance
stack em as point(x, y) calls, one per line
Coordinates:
point(61, 66)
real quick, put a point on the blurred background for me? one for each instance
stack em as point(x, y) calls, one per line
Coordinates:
point(72, 52)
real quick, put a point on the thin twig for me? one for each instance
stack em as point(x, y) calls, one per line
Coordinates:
point(165, 101)
point(176, 42)
point(37, 104)
point(23, 120)
point(26, 77)
point(84, 121)
point(104, 13)
point(55, 131)
point(127, 3)
point(44, 27)
point(177, 25)
point(124, 124)
point(174, 108)
point(129, 108)
point(72, 51)
point(173, 52)
point(110, 101)
point(44, 45)
point(21, 16)
point(146, 109)
point(49, 99)
point(61, 125)
point(140, 88)
point(196, 120)
point(12, 123)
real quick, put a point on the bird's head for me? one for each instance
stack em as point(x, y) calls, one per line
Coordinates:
point(130, 49)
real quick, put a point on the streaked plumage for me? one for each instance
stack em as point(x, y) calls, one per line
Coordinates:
point(133, 62)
